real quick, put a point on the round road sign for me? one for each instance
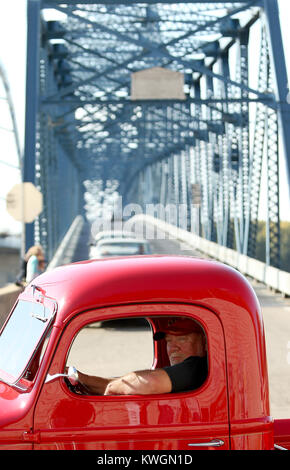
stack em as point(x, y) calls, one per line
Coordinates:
point(24, 202)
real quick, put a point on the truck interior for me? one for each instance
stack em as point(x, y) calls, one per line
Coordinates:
point(113, 358)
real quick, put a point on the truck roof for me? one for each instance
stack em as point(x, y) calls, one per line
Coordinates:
point(158, 278)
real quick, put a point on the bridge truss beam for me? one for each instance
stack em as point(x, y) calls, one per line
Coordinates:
point(202, 151)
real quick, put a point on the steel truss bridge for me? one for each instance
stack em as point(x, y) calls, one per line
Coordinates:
point(206, 148)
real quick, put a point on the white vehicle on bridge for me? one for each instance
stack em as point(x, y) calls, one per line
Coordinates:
point(111, 247)
point(113, 234)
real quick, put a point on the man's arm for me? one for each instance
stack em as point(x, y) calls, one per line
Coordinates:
point(135, 383)
point(143, 382)
point(97, 385)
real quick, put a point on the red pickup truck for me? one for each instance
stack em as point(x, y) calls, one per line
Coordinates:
point(42, 406)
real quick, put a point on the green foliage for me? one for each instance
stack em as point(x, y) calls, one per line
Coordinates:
point(285, 244)
point(261, 241)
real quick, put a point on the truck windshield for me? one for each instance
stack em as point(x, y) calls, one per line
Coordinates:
point(20, 337)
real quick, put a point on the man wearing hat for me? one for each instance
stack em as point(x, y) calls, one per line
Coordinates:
point(186, 349)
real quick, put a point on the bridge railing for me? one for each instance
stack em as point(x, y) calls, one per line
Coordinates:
point(66, 249)
point(274, 278)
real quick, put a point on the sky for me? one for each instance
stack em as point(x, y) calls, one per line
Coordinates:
point(13, 59)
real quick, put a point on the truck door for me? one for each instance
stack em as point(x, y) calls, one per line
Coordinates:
point(191, 420)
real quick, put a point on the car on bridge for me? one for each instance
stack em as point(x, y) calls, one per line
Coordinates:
point(44, 406)
point(120, 247)
point(112, 234)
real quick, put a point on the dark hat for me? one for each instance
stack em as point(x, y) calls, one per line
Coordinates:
point(178, 327)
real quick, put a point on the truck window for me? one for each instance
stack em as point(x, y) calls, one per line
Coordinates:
point(114, 348)
point(22, 339)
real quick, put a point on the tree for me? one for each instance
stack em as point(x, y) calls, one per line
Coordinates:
point(285, 244)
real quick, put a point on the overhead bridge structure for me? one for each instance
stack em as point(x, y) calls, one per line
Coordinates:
point(178, 104)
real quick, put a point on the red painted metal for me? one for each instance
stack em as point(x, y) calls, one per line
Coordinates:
point(233, 403)
point(282, 432)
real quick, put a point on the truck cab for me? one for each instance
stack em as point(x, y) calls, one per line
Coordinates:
point(101, 316)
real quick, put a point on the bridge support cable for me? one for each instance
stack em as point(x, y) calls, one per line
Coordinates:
point(273, 217)
point(257, 154)
point(279, 74)
point(265, 142)
point(31, 109)
point(48, 161)
point(8, 98)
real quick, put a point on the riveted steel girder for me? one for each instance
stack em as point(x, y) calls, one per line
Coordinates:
point(88, 126)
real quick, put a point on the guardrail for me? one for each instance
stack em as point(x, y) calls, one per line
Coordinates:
point(268, 275)
point(8, 297)
point(66, 249)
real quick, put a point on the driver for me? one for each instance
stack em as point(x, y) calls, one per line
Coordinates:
point(186, 349)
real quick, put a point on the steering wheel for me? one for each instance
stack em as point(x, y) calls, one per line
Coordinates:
point(73, 383)
point(78, 388)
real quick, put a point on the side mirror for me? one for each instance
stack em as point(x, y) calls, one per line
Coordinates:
point(72, 376)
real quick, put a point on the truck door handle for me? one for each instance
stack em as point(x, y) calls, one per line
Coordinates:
point(213, 443)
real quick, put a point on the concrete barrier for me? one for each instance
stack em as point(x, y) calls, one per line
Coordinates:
point(272, 277)
point(8, 297)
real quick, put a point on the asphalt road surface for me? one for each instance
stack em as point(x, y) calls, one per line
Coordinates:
point(276, 314)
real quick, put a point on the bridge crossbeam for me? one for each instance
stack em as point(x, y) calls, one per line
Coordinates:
point(85, 122)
